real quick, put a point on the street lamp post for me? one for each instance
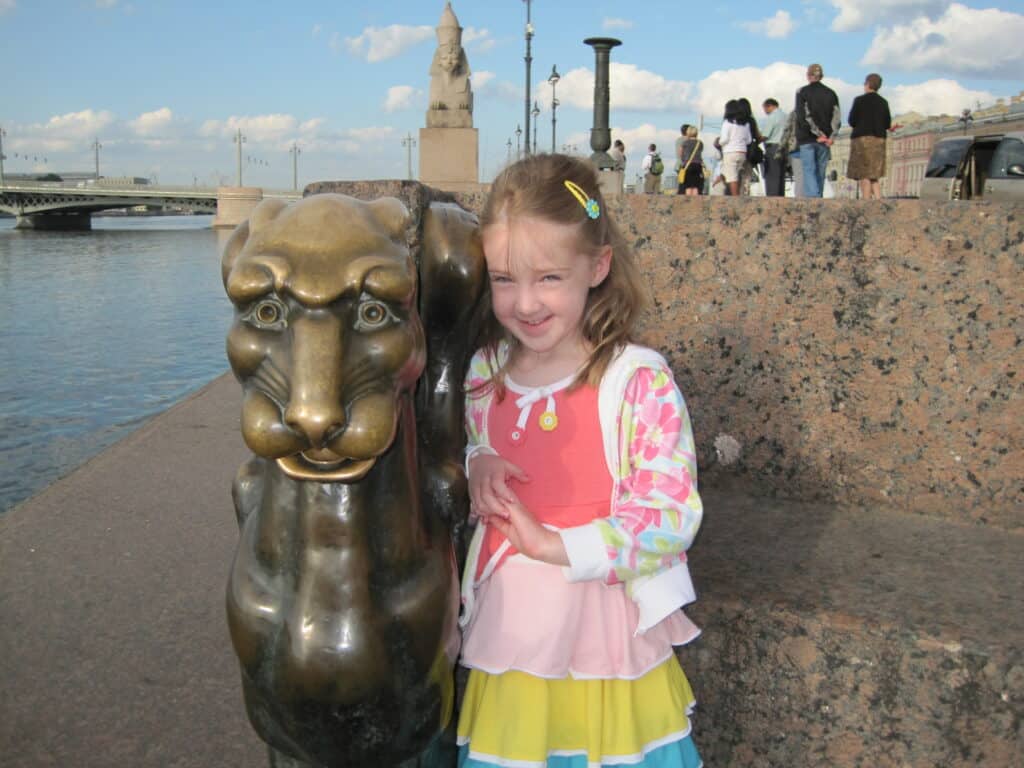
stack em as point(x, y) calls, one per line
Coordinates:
point(239, 140)
point(295, 152)
point(508, 158)
point(519, 132)
point(96, 148)
point(529, 60)
point(2, 158)
point(536, 113)
point(553, 79)
point(408, 142)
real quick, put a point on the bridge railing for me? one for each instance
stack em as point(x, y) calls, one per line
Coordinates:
point(92, 188)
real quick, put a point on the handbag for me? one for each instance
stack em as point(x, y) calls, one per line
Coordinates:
point(755, 155)
point(682, 171)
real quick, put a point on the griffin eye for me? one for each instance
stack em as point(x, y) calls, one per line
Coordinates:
point(372, 315)
point(268, 314)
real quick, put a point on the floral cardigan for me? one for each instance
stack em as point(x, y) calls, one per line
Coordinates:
point(655, 507)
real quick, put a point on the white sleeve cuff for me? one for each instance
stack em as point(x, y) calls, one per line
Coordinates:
point(658, 595)
point(477, 450)
point(588, 555)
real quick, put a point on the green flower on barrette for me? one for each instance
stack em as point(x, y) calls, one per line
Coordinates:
point(592, 208)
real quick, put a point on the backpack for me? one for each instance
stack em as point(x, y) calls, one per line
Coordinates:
point(657, 166)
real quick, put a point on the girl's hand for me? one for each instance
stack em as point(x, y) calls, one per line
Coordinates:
point(489, 493)
point(530, 537)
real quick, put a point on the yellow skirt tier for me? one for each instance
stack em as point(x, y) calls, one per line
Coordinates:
point(517, 719)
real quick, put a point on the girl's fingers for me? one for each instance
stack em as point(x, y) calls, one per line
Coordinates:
point(502, 491)
point(517, 472)
point(504, 526)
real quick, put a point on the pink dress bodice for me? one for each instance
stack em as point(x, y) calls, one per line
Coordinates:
point(569, 482)
point(529, 617)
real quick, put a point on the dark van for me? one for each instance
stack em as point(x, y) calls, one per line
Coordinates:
point(976, 168)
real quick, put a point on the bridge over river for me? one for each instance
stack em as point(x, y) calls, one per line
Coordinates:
point(69, 205)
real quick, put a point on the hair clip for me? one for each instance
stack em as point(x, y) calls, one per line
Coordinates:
point(589, 204)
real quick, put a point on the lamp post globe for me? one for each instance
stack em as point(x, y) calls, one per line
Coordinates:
point(536, 113)
point(553, 78)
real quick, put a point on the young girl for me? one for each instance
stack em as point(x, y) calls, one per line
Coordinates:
point(583, 476)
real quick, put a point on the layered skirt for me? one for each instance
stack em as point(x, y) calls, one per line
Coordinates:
point(559, 678)
point(517, 719)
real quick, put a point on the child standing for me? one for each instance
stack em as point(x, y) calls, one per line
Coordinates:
point(583, 476)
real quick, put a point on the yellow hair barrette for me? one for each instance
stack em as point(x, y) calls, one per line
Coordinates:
point(589, 204)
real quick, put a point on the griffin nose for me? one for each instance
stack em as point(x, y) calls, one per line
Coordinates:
point(317, 424)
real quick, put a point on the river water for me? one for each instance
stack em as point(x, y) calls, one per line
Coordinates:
point(101, 330)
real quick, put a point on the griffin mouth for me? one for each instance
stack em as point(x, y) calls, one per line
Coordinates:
point(325, 466)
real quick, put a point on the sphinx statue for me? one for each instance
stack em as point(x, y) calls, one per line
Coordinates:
point(343, 596)
point(451, 96)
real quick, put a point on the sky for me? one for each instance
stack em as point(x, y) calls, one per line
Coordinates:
point(164, 85)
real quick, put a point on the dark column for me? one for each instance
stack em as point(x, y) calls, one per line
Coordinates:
point(600, 134)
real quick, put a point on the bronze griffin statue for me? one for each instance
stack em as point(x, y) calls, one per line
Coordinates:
point(350, 338)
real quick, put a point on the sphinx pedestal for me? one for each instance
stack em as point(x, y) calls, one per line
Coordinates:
point(449, 158)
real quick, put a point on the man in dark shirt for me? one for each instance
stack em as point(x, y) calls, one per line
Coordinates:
point(817, 122)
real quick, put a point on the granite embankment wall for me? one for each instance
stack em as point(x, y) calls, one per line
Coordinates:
point(865, 352)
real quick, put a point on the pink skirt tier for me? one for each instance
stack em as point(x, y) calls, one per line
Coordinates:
point(530, 619)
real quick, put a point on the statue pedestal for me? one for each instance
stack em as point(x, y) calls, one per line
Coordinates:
point(449, 158)
point(611, 183)
point(234, 204)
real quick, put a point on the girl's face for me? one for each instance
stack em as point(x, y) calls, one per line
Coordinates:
point(540, 281)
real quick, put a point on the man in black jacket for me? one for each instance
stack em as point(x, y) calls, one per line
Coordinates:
point(817, 122)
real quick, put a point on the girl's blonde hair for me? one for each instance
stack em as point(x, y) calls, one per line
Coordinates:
point(535, 187)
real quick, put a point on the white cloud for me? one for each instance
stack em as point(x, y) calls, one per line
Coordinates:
point(379, 43)
point(67, 131)
point(371, 134)
point(778, 80)
point(934, 97)
point(257, 129)
point(317, 29)
point(774, 27)
point(613, 23)
point(480, 79)
point(632, 88)
point(637, 140)
point(860, 14)
point(477, 40)
point(106, 3)
point(7, 5)
point(401, 97)
point(151, 124)
point(83, 124)
point(312, 126)
point(983, 43)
